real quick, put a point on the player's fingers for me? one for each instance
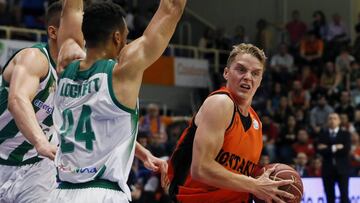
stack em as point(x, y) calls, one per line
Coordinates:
point(278, 200)
point(283, 182)
point(269, 171)
point(285, 194)
point(151, 166)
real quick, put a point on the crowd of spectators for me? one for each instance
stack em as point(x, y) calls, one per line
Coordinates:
point(313, 72)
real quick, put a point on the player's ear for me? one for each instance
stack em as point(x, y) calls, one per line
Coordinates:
point(52, 32)
point(117, 37)
point(226, 73)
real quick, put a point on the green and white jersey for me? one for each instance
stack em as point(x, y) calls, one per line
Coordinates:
point(97, 134)
point(14, 147)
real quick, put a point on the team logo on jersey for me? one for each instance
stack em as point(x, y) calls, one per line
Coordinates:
point(256, 124)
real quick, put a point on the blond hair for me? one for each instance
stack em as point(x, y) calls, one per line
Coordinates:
point(247, 49)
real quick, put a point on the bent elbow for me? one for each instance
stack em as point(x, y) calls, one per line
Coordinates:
point(197, 172)
point(13, 102)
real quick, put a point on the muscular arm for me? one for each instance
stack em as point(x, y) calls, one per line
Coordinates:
point(28, 67)
point(208, 141)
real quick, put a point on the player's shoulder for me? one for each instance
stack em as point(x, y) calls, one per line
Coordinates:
point(218, 103)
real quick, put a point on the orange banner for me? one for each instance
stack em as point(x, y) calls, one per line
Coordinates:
point(161, 72)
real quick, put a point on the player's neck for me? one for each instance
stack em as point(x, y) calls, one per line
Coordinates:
point(53, 49)
point(93, 55)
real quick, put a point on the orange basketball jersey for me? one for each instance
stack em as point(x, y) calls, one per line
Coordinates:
point(240, 154)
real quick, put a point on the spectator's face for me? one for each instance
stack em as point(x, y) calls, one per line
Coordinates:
point(333, 121)
point(264, 160)
point(330, 67)
point(291, 121)
point(302, 159)
point(303, 136)
point(317, 163)
point(153, 110)
point(244, 77)
point(297, 85)
point(322, 101)
point(283, 102)
point(344, 119)
point(345, 97)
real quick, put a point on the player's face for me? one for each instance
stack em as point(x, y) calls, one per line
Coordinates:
point(244, 76)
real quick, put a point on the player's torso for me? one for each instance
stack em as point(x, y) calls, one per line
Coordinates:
point(14, 148)
point(97, 134)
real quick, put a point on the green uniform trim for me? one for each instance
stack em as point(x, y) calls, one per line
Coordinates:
point(100, 183)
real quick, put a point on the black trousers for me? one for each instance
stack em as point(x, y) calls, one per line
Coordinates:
point(329, 181)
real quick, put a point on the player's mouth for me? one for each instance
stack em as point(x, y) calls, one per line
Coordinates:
point(245, 87)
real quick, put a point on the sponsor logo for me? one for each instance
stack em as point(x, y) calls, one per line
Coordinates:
point(256, 124)
point(40, 104)
point(88, 170)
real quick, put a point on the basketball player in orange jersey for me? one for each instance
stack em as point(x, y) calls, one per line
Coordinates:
point(218, 152)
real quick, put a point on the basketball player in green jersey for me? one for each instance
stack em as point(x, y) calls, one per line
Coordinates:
point(96, 104)
point(27, 173)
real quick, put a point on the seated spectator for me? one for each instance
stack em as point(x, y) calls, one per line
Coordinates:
point(304, 144)
point(286, 139)
point(282, 65)
point(270, 135)
point(273, 102)
point(299, 98)
point(301, 162)
point(336, 36)
point(346, 124)
point(345, 106)
point(319, 25)
point(319, 114)
point(343, 60)
point(263, 36)
point(239, 36)
point(308, 79)
point(311, 51)
point(356, 46)
point(330, 80)
point(354, 74)
point(296, 29)
point(355, 154)
point(315, 167)
point(153, 123)
point(284, 111)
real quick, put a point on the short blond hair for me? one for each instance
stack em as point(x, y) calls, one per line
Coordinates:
point(247, 49)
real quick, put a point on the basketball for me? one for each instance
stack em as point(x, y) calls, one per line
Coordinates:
point(284, 172)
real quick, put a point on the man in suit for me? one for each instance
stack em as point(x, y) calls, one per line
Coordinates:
point(334, 146)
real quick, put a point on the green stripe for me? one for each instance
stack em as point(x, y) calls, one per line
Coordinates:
point(100, 183)
point(3, 99)
point(52, 62)
point(44, 94)
point(101, 172)
point(9, 131)
point(18, 154)
point(48, 120)
point(112, 93)
point(12, 163)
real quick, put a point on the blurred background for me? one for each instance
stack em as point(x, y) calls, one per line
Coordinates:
point(313, 50)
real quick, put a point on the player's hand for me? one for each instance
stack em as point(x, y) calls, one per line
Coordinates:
point(158, 165)
point(69, 51)
point(45, 149)
point(267, 189)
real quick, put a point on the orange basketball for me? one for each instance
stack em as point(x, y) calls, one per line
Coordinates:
point(284, 172)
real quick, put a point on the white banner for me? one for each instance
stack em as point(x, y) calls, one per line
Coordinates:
point(314, 191)
point(191, 72)
point(9, 47)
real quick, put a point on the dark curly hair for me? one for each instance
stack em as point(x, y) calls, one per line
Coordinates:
point(100, 21)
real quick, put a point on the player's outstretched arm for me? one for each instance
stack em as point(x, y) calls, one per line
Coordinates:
point(70, 38)
point(144, 51)
point(208, 141)
point(28, 67)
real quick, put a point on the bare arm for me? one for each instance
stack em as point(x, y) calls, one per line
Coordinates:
point(144, 51)
point(70, 22)
point(152, 163)
point(70, 38)
point(28, 67)
point(208, 141)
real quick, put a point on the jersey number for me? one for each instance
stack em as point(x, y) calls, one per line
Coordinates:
point(83, 132)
